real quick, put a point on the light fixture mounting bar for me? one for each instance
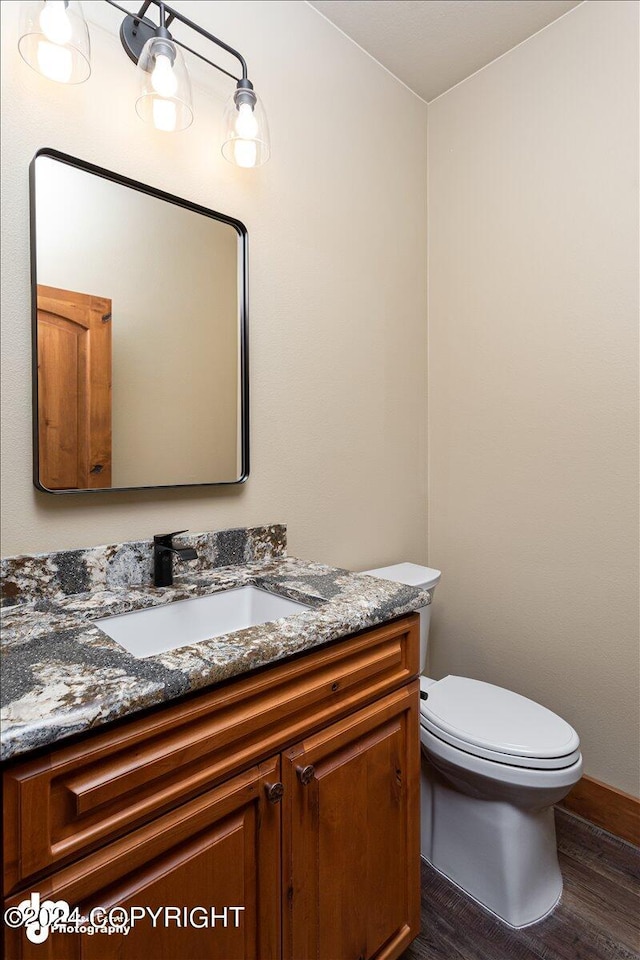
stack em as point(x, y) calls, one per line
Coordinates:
point(167, 15)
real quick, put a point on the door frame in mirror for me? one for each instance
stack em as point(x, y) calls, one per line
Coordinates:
point(243, 315)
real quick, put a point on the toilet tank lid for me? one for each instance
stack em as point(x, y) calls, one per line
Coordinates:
point(412, 574)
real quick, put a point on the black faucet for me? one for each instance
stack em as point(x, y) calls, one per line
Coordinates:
point(163, 551)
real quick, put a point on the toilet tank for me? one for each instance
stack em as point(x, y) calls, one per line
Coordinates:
point(413, 575)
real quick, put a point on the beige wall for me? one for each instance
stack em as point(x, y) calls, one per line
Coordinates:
point(172, 365)
point(337, 276)
point(533, 365)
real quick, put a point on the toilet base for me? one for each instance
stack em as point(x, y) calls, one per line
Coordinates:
point(485, 907)
point(502, 855)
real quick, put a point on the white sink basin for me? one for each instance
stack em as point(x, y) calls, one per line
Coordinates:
point(147, 632)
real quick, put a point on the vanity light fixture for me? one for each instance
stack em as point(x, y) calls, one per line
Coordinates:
point(54, 40)
point(164, 89)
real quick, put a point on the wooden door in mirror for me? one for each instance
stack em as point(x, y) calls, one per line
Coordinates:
point(74, 389)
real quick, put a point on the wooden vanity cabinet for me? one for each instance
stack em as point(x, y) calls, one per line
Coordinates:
point(293, 793)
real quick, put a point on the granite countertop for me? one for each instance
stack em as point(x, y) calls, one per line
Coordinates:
point(62, 675)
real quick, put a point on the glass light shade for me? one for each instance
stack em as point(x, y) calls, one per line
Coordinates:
point(54, 40)
point(164, 88)
point(245, 133)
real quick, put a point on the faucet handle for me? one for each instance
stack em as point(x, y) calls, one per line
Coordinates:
point(165, 538)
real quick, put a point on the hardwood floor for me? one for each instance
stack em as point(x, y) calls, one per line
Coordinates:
point(598, 917)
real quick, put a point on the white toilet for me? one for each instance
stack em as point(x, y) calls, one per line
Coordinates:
point(493, 765)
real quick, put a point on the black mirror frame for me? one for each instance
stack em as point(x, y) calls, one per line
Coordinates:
point(243, 314)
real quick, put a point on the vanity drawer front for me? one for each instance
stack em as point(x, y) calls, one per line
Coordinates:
point(74, 799)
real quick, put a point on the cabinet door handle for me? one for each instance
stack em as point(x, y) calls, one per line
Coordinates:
point(274, 792)
point(306, 774)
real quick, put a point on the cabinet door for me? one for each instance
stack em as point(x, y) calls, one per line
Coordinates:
point(351, 883)
point(220, 850)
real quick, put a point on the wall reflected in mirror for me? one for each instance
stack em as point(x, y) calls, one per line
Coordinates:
point(139, 347)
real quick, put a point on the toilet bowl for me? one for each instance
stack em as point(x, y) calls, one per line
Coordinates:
point(493, 765)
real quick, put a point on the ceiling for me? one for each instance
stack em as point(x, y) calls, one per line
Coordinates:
point(433, 44)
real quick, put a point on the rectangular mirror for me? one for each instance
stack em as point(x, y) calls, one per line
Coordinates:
point(140, 372)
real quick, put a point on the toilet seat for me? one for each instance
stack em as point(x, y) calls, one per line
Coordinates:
point(487, 721)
